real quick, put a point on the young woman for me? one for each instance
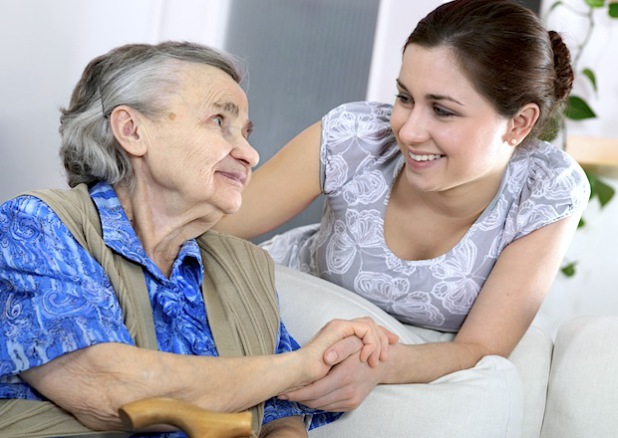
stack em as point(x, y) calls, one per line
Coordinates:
point(444, 209)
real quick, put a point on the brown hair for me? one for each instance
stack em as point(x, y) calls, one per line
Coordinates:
point(505, 51)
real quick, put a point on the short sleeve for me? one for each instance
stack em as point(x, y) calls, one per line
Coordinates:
point(55, 298)
point(352, 134)
point(554, 187)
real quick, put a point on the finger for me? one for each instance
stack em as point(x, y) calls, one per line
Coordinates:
point(341, 350)
point(387, 338)
point(363, 328)
point(376, 344)
point(334, 401)
point(392, 337)
point(310, 394)
point(371, 355)
point(340, 399)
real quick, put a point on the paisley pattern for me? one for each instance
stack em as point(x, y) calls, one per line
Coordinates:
point(55, 298)
point(360, 161)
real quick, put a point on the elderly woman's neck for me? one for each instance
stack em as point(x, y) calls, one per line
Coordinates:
point(160, 229)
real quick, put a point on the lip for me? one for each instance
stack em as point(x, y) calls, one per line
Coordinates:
point(423, 158)
point(239, 178)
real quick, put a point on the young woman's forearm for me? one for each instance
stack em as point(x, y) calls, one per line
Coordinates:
point(424, 363)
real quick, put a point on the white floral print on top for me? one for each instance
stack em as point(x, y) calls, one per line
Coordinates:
point(359, 163)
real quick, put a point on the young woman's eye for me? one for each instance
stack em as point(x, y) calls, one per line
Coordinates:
point(441, 112)
point(404, 99)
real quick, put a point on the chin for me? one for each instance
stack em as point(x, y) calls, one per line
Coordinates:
point(231, 208)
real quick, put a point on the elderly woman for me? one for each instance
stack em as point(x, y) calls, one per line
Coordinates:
point(115, 291)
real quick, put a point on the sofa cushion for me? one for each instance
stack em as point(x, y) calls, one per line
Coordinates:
point(308, 302)
point(582, 399)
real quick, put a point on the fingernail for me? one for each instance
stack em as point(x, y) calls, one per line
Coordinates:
point(283, 397)
point(331, 357)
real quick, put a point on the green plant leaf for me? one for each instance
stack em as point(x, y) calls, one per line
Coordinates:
point(604, 192)
point(613, 10)
point(578, 109)
point(595, 3)
point(569, 269)
point(600, 189)
point(582, 223)
point(592, 77)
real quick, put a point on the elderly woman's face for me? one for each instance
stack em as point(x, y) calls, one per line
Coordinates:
point(198, 153)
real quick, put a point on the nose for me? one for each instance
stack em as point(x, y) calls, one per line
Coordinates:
point(413, 128)
point(244, 152)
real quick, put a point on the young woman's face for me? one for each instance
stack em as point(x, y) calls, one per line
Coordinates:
point(449, 134)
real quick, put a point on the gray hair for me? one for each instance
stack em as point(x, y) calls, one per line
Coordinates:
point(141, 76)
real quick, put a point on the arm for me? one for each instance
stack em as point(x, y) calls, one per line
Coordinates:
point(293, 173)
point(499, 318)
point(106, 376)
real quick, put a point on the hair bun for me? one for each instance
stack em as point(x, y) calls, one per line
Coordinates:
point(562, 66)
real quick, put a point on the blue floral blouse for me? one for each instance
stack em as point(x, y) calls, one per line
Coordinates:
point(55, 298)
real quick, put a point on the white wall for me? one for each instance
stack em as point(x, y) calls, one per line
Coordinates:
point(396, 20)
point(593, 290)
point(45, 46)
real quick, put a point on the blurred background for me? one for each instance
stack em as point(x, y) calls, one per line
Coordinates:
point(303, 57)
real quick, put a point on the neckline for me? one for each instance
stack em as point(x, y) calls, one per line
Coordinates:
point(397, 171)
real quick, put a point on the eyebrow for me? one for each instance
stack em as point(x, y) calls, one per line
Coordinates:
point(228, 107)
point(432, 96)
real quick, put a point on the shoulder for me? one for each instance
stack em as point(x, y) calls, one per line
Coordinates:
point(25, 217)
point(544, 184)
point(378, 110)
point(28, 222)
point(371, 118)
point(551, 174)
point(356, 138)
point(226, 245)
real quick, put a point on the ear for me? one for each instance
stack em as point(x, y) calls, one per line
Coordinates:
point(522, 123)
point(127, 126)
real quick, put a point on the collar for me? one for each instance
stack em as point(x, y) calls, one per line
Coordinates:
point(119, 235)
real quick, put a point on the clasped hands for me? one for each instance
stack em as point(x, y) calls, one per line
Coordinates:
point(354, 354)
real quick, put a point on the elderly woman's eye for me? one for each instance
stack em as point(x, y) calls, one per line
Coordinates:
point(218, 120)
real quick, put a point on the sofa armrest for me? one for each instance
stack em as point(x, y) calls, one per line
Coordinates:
point(582, 398)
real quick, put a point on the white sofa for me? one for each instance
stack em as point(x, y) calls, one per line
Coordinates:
point(570, 385)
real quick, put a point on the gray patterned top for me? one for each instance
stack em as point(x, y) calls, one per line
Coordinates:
point(360, 161)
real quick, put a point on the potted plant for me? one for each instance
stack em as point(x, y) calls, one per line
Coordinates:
point(577, 108)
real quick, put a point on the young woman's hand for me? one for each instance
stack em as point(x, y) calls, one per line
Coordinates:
point(342, 389)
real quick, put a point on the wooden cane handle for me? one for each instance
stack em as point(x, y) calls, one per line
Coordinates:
point(194, 421)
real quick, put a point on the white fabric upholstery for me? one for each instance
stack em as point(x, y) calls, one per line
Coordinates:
point(532, 357)
point(582, 399)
